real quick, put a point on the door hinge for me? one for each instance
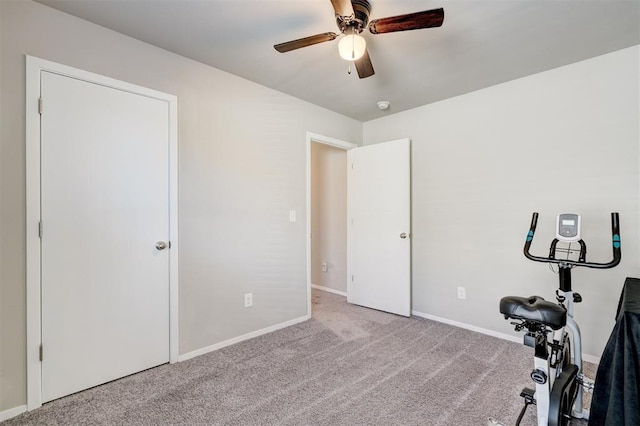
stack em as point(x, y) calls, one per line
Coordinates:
point(41, 353)
point(352, 278)
point(40, 105)
point(40, 230)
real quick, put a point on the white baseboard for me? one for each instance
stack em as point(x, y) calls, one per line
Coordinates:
point(503, 336)
point(12, 412)
point(590, 358)
point(239, 339)
point(329, 290)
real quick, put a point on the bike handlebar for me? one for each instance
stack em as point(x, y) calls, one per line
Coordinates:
point(615, 237)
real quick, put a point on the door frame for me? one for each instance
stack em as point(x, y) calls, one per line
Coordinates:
point(34, 68)
point(337, 143)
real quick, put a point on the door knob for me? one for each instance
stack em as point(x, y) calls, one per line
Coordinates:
point(403, 235)
point(161, 245)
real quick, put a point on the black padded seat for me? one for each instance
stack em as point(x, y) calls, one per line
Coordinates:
point(534, 308)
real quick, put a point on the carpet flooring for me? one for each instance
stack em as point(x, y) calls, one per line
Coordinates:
point(348, 365)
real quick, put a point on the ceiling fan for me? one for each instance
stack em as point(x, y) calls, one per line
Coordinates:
point(352, 17)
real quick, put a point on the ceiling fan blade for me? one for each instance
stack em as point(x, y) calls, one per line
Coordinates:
point(411, 21)
point(364, 66)
point(342, 7)
point(304, 42)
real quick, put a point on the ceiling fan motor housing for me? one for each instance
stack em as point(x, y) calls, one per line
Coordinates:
point(359, 20)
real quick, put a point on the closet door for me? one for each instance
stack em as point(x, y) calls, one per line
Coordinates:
point(105, 231)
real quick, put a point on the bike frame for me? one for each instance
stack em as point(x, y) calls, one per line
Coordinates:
point(544, 362)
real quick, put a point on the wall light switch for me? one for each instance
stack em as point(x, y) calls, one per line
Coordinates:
point(292, 215)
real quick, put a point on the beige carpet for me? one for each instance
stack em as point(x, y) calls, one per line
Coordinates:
point(347, 366)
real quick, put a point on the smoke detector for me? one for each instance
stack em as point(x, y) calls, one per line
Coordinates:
point(383, 105)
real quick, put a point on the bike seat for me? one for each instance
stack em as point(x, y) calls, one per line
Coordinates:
point(535, 309)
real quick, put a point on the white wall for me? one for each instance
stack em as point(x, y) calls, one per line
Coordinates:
point(565, 140)
point(242, 167)
point(329, 216)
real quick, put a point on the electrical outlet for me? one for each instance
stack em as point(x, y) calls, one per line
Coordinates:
point(462, 293)
point(325, 267)
point(248, 300)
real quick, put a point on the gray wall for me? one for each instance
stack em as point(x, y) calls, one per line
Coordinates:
point(565, 140)
point(329, 216)
point(241, 169)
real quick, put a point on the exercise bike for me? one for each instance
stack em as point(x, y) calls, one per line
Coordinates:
point(551, 330)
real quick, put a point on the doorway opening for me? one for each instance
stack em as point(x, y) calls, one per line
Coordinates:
point(326, 215)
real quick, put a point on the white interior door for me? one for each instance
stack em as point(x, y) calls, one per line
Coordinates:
point(379, 210)
point(104, 206)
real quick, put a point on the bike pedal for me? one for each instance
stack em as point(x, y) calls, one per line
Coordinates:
point(587, 384)
point(527, 394)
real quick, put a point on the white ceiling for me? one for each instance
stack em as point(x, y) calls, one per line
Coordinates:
point(481, 43)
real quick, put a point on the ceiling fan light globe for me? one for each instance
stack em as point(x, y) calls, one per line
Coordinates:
point(352, 47)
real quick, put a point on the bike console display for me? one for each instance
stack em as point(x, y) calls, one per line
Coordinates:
point(568, 227)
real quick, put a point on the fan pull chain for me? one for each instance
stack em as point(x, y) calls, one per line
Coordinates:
point(353, 45)
point(353, 49)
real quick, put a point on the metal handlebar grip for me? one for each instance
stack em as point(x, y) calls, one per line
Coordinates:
point(530, 234)
point(615, 239)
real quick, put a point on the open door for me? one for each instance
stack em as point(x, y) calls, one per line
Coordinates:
point(379, 215)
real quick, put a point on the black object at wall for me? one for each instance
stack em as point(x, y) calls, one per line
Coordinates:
point(616, 396)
